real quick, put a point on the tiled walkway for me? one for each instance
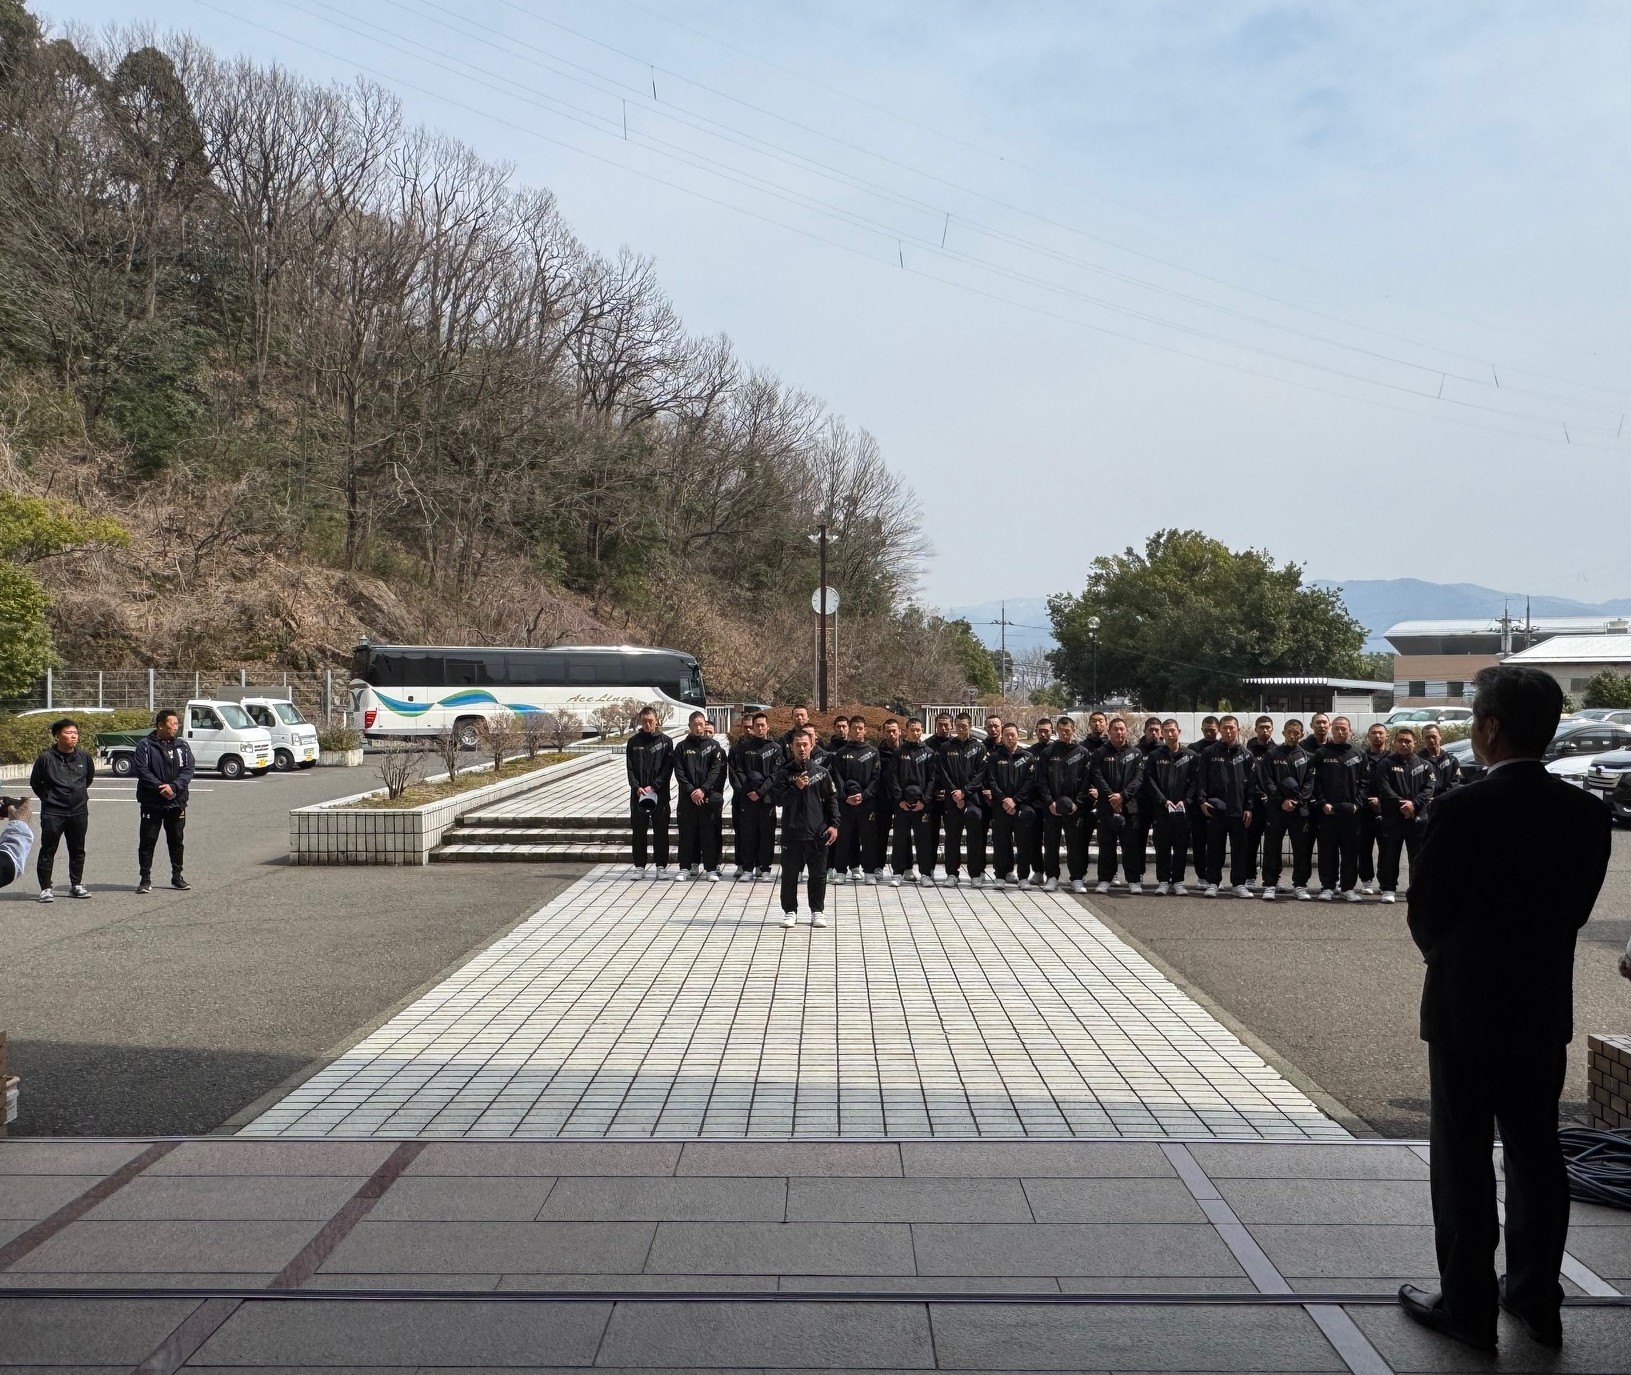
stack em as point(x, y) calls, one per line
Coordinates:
point(638, 1009)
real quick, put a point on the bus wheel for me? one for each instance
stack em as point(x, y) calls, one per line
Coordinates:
point(467, 726)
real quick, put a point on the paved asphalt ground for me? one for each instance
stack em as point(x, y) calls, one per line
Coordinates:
point(170, 1013)
point(1330, 991)
point(175, 1012)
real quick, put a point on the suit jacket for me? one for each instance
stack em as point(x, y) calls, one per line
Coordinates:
point(1506, 874)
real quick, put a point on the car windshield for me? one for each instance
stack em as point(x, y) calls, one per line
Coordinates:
point(235, 716)
point(289, 713)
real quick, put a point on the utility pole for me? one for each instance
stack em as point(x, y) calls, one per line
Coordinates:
point(821, 631)
point(1506, 630)
point(1002, 652)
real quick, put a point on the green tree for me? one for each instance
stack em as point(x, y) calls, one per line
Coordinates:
point(35, 528)
point(1183, 622)
point(1055, 695)
point(1376, 666)
point(25, 634)
point(974, 657)
point(1609, 689)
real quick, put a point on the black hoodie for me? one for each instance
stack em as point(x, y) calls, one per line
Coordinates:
point(62, 781)
point(806, 812)
point(1062, 778)
point(1398, 779)
point(699, 762)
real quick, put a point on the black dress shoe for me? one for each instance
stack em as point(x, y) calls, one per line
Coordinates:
point(1428, 1310)
point(1547, 1330)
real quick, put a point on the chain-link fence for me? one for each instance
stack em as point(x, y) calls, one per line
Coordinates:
point(321, 694)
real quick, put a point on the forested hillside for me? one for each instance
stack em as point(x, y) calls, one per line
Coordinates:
point(338, 375)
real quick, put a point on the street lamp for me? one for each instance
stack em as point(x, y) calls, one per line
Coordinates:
point(1093, 624)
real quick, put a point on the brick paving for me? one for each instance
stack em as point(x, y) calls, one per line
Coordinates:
point(637, 1009)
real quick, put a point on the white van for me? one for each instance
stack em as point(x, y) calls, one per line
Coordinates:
point(225, 737)
point(294, 738)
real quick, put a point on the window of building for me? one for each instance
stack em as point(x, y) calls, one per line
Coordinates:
point(1579, 684)
point(1418, 687)
point(1456, 688)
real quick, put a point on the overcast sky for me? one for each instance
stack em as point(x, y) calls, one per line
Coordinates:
point(1207, 264)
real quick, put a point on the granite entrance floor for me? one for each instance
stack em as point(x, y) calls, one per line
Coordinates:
point(710, 1255)
point(632, 1008)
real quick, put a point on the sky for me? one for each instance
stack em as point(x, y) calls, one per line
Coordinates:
point(1344, 281)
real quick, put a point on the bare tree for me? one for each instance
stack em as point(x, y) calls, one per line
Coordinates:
point(448, 744)
point(400, 763)
point(534, 729)
point(565, 728)
point(498, 737)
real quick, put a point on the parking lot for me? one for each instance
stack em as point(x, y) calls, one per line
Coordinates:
point(184, 1012)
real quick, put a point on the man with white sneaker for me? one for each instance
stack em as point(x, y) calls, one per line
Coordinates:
point(1226, 788)
point(752, 761)
point(1169, 798)
point(1285, 781)
point(649, 758)
point(1010, 796)
point(1404, 783)
point(1370, 815)
point(1341, 777)
point(1061, 795)
point(805, 791)
point(699, 782)
point(856, 772)
point(1117, 775)
point(911, 784)
point(962, 775)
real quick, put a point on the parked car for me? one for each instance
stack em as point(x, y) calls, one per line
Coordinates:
point(1582, 739)
point(1620, 800)
point(1618, 716)
point(294, 739)
point(1422, 717)
point(222, 735)
point(1606, 770)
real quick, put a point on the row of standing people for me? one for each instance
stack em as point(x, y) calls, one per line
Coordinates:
point(1015, 814)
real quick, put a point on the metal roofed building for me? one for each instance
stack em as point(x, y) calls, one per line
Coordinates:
point(1435, 661)
point(1314, 692)
point(1574, 660)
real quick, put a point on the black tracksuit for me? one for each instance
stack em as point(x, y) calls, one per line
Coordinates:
point(1090, 813)
point(1370, 819)
point(1119, 771)
point(1398, 780)
point(62, 780)
point(159, 763)
point(1169, 777)
point(699, 765)
point(1011, 776)
point(1226, 789)
point(1286, 774)
point(1061, 798)
point(883, 821)
point(1197, 818)
point(1040, 751)
point(751, 765)
point(807, 813)
point(912, 783)
point(1446, 771)
point(649, 758)
point(962, 769)
point(1341, 778)
point(1254, 833)
point(857, 772)
point(937, 806)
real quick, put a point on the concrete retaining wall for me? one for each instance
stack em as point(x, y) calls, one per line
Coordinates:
point(336, 833)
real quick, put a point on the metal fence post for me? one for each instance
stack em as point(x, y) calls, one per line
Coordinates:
point(197, 685)
point(328, 695)
point(151, 702)
point(48, 684)
point(99, 701)
point(243, 677)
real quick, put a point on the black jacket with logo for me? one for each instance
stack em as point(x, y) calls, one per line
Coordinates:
point(62, 781)
point(1341, 779)
point(158, 762)
point(751, 765)
point(962, 765)
point(1398, 780)
point(1227, 780)
point(806, 812)
point(1169, 776)
point(1446, 771)
point(1118, 771)
point(1010, 775)
point(1286, 773)
point(915, 776)
point(1062, 778)
point(699, 762)
point(649, 756)
point(858, 765)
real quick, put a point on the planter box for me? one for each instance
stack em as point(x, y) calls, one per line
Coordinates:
point(336, 833)
point(340, 759)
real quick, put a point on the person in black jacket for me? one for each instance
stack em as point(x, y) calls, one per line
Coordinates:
point(1169, 798)
point(1370, 817)
point(163, 764)
point(1226, 789)
point(1117, 775)
point(1446, 767)
point(1197, 818)
point(857, 772)
point(840, 734)
point(1259, 743)
point(805, 791)
point(1041, 747)
point(1285, 782)
point(884, 830)
point(1094, 739)
point(937, 741)
point(993, 731)
point(912, 784)
point(1341, 777)
point(1010, 798)
point(1505, 876)
point(962, 776)
point(649, 760)
point(752, 761)
point(1154, 736)
point(1061, 797)
point(1404, 781)
point(801, 718)
point(699, 782)
point(61, 779)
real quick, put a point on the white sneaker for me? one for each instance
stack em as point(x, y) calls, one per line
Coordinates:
point(911, 875)
point(79, 890)
point(856, 876)
point(1303, 895)
point(818, 919)
point(1269, 894)
point(953, 881)
point(677, 875)
point(637, 871)
point(1078, 885)
point(1242, 891)
point(872, 879)
point(790, 921)
point(895, 880)
point(1136, 889)
point(46, 895)
point(1370, 886)
point(1039, 880)
point(1102, 888)
point(1051, 886)
point(713, 876)
point(1324, 895)
point(1179, 891)
point(696, 872)
point(1211, 890)
point(1352, 895)
point(1162, 889)
point(927, 880)
point(1390, 896)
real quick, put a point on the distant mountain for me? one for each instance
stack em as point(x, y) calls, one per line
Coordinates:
point(1380, 603)
point(1031, 628)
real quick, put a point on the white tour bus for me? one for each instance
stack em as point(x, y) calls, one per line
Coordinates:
point(403, 690)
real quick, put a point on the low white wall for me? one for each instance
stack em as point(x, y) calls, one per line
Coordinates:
point(336, 833)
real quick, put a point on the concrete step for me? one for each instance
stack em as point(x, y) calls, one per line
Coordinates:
point(485, 852)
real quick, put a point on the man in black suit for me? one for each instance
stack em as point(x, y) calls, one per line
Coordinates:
point(1508, 870)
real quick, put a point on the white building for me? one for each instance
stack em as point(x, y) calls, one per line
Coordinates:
point(1574, 660)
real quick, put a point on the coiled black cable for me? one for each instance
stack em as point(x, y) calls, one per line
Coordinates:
point(1599, 1165)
